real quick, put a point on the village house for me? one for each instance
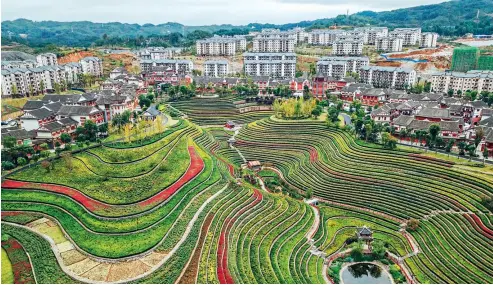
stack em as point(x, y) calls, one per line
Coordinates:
point(151, 113)
point(81, 114)
point(54, 130)
point(22, 136)
point(34, 119)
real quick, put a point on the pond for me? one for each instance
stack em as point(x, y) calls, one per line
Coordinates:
point(365, 273)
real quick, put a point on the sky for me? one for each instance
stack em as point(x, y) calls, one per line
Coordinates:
point(194, 12)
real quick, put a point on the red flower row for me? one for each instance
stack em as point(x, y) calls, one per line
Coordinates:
point(222, 249)
point(479, 226)
point(196, 166)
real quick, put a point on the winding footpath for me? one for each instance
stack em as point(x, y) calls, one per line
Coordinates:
point(89, 269)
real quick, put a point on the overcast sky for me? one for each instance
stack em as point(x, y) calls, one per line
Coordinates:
point(190, 12)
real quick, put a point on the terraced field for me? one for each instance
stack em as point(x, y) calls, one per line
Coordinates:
point(455, 234)
point(206, 111)
point(172, 210)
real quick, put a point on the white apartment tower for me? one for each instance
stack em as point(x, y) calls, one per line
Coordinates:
point(216, 68)
point(410, 36)
point(372, 33)
point(179, 66)
point(387, 77)
point(388, 44)
point(474, 80)
point(45, 59)
point(428, 40)
point(92, 65)
point(338, 67)
point(277, 65)
point(274, 42)
point(222, 46)
point(347, 48)
point(300, 34)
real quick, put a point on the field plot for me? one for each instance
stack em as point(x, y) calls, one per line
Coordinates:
point(215, 111)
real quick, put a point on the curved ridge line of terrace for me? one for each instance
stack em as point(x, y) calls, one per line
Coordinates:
point(196, 167)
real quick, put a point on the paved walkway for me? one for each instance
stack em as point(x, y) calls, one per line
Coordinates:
point(90, 269)
point(237, 131)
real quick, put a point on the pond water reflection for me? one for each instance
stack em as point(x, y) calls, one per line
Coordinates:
point(365, 273)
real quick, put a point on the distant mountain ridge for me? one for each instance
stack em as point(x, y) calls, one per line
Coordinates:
point(453, 18)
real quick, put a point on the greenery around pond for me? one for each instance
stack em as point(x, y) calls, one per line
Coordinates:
point(357, 255)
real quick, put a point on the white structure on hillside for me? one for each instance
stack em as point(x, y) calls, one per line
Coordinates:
point(216, 68)
point(274, 42)
point(158, 52)
point(300, 34)
point(19, 64)
point(180, 66)
point(428, 40)
point(372, 33)
point(277, 65)
point(217, 45)
point(324, 37)
point(388, 44)
point(387, 77)
point(23, 81)
point(477, 80)
point(347, 48)
point(92, 65)
point(410, 36)
point(337, 67)
point(45, 59)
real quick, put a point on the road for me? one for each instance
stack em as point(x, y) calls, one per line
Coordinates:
point(347, 119)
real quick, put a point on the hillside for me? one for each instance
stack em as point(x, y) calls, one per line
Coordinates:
point(451, 18)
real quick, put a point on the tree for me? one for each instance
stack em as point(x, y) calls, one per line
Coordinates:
point(91, 130)
point(46, 165)
point(9, 142)
point(485, 154)
point(378, 249)
point(449, 146)
point(471, 151)
point(434, 130)
point(15, 91)
point(462, 146)
point(317, 111)
point(479, 136)
point(333, 115)
point(388, 141)
point(144, 102)
point(68, 160)
point(368, 129)
point(306, 92)
point(7, 165)
point(309, 193)
point(357, 252)
point(413, 224)
point(65, 138)
point(21, 161)
point(42, 86)
point(117, 121)
point(103, 128)
point(450, 92)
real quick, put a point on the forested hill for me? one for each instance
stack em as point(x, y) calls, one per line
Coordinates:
point(455, 17)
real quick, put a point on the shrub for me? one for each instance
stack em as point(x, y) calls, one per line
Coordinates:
point(46, 165)
point(413, 224)
point(7, 165)
point(21, 161)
